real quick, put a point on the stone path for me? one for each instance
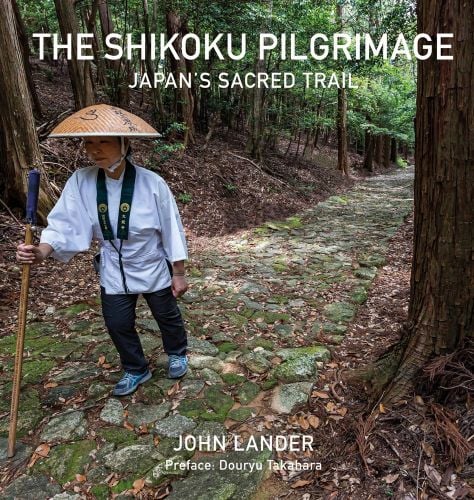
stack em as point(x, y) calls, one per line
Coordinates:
point(259, 306)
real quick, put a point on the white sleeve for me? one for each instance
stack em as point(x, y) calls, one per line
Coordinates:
point(172, 232)
point(69, 229)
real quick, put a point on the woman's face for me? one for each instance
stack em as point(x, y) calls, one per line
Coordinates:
point(103, 150)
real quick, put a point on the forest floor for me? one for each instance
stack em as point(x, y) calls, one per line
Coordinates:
point(278, 310)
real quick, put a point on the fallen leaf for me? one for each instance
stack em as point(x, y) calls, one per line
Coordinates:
point(303, 423)
point(419, 401)
point(173, 390)
point(342, 411)
point(382, 408)
point(128, 426)
point(80, 478)
point(318, 394)
point(428, 449)
point(101, 360)
point(391, 478)
point(432, 474)
point(41, 451)
point(330, 407)
point(314, 421)
point(300, 483)
point(138, 485)
point(50, 385)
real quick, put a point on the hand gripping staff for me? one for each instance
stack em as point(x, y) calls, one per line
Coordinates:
point(31, 207)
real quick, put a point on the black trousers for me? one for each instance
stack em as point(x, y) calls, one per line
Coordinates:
point(119, 315)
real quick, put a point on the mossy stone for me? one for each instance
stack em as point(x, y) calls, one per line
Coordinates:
point(233, 378)
point(240, 414)
point(236, 319)
point(117, 435)
point(192, 408)
point(268, 384)
point(66, 460)
point(100, 491)
point(34, 371)
point(219, 402)
point(359, 296)
point(73, 310)
point(227, 347)
point(29, 413)
point(295, 370)
point(248, 392)
point(339, 311)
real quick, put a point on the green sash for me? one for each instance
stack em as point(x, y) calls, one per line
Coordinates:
point(126, 197)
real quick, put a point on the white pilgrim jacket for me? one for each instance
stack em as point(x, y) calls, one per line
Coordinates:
point(155, 230)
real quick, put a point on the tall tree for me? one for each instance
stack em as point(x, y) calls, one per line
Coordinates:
point(342, 163)
point(23, 38)
point(19, 146)
point(184, 97)
point(79, 70)
point(441, 310)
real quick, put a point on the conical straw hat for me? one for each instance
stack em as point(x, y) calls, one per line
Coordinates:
point(101, 120)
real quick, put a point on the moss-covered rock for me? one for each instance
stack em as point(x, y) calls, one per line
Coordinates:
point(255, 362)
point(295, 370)
point(227, 347)
point(34, 371)
point(66, 460)
point(316, 353)
point(192, 408)
point(359, 295)
point(339, 311)
point(240, 414)
point(29, 413)
point(218, 402)
point(100, 491)
point(233, 378)
point(268, 384)
point(117, 435)
point(73, 310)
point(248, 392)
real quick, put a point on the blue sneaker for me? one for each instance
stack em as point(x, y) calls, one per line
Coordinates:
point(129, 383)
point(178, 365)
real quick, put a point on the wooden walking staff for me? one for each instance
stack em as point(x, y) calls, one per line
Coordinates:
point(31, 207)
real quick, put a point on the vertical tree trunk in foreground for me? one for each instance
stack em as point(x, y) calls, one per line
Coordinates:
point(393, 151)
point(256, 140)
point(174, 24)
point(369, 151)
point(19, 147)
point(342, 163)
point(23, 39)
point(79, 71)
point(441, 311)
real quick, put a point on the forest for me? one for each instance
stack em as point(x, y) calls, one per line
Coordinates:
point(321, 157)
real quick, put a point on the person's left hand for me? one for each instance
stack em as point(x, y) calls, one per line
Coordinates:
point(179, 285)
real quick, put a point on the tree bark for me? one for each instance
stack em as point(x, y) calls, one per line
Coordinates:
point(184, 95)
point(386, 151)
point(19, 146)
point(342, 162)
point(393, 152)
point(79, 71)
point(441, 310)
point(23, 39)
point(158, 108)
point(256, 140)
point(369, 152)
